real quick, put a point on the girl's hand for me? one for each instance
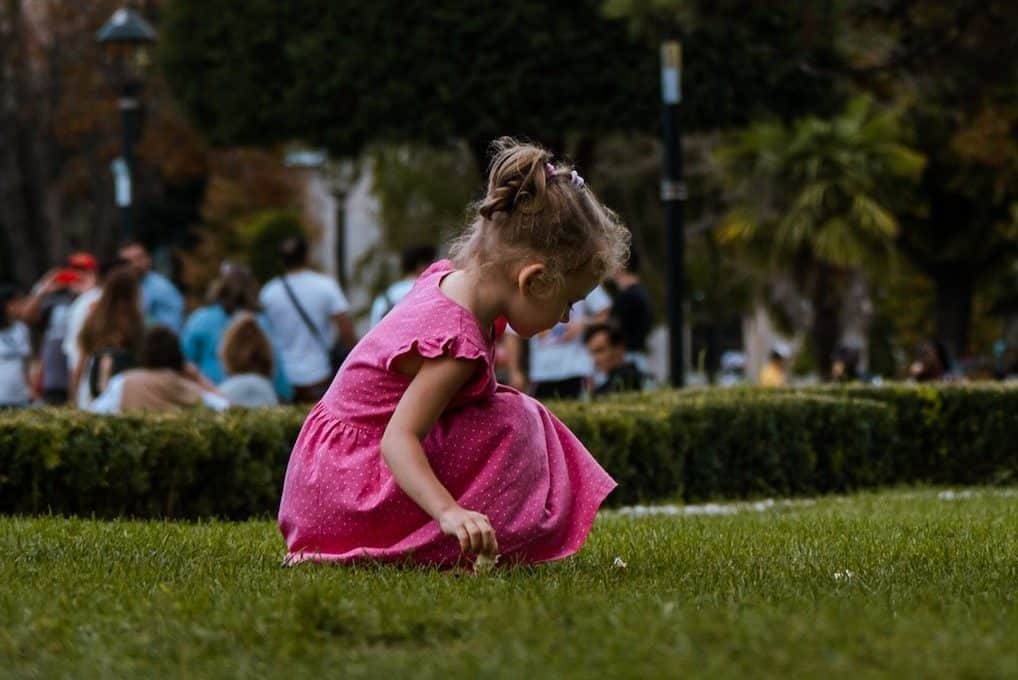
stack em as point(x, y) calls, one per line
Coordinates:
point(473, 530)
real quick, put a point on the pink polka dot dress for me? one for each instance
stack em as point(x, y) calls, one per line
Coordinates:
point(497, 451)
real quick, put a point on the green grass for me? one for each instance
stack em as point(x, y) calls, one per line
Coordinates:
point(754, 594)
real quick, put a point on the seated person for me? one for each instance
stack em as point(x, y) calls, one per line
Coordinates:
point(162, 383)
point(247, 357)
point(607, 346)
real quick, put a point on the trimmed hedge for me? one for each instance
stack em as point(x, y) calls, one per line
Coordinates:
point(695, 444)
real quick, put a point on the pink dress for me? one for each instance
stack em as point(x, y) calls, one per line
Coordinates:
point(496, 450)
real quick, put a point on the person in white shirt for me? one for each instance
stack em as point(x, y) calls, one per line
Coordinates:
point(414, 261)
point(560, 365)
point(306, 349)
point(15, 352)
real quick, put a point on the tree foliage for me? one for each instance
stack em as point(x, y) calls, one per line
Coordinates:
point(341, 74)
point(818, 196)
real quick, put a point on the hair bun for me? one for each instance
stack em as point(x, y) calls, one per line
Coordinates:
point(517, 180)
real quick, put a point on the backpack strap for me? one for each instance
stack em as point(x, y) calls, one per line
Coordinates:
point(304, 315)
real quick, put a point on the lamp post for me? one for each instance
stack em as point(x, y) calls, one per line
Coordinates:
point(673, 193)
point(125, 40)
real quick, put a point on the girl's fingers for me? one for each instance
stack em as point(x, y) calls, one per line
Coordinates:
point(476, 536)
point(490, 545)
point(464, 538)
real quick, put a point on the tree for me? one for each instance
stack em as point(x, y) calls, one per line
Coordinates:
point(817, 196)
point(59, 130)
point(341, 74)
point(954, 64)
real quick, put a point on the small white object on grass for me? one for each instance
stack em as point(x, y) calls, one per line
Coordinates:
point(483, 563)
point(844, 575)
point(618, 563)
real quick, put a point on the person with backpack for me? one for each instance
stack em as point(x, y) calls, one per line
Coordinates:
point(308, 314)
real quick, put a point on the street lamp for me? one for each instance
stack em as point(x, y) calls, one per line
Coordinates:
point(125, 40)
point(673, 193)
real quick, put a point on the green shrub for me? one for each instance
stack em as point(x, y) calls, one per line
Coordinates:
point(694, 444)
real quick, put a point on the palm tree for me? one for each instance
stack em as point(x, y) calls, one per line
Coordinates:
point(815, 199)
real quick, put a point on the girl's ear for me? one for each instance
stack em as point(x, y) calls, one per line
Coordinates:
point(528, 280)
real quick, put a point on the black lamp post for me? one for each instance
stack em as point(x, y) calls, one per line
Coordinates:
point(125, 40)
point(673, 193)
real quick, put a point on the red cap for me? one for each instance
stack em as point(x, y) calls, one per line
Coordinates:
point(84, 261)
point(67, 276)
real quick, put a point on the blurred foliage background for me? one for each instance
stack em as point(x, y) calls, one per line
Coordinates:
point(852, 164)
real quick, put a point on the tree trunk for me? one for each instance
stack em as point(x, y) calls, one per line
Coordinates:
point(954, 309)
point(825, 330)
point(19, 194)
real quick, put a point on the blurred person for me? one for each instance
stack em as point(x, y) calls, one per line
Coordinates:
point(90, 290)
point(162, 382)
point(307, 311)
point(631, 310)
point(414, 261)
point(162, 303)
point(15, 352)
point(607, 346)
point(846, 366)
point(111, 336)
point(248, 359)
point(775, 372)
point(49, 307)
point(560, 366)
point(933, 362)
point(233, 294)
point(80, 310)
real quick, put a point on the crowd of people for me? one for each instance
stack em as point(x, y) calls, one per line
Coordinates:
point(115, 336)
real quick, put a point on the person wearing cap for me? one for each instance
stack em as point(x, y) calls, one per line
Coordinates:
point(162, 303)
point(49, 306)
point(90, 291)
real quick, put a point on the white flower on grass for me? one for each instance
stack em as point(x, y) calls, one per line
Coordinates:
point(483, 563)
point(618, 563)
point(845, 575)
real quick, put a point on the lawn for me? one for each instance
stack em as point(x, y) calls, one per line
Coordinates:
point(902, 583)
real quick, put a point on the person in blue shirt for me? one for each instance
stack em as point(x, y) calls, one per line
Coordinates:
point(162, 303)
point(234, 293)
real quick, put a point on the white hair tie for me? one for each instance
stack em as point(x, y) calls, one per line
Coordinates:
point(577, 181)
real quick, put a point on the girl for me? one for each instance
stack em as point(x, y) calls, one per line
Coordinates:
point(247, 360)
point(415, 451)
point(111, 336)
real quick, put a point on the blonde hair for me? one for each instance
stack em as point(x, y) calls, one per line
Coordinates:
point(540, 208)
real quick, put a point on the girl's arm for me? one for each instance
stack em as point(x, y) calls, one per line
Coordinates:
point(433, 386)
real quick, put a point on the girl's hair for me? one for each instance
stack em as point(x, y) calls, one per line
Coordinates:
point(161, 349)
point(116, 320)
point(538, 207)
point(236, 290)
point(245, 348)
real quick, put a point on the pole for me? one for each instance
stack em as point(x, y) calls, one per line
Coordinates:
point(128, 105)
point(673, 193)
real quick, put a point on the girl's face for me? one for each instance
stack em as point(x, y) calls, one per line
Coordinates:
point(531, 310)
